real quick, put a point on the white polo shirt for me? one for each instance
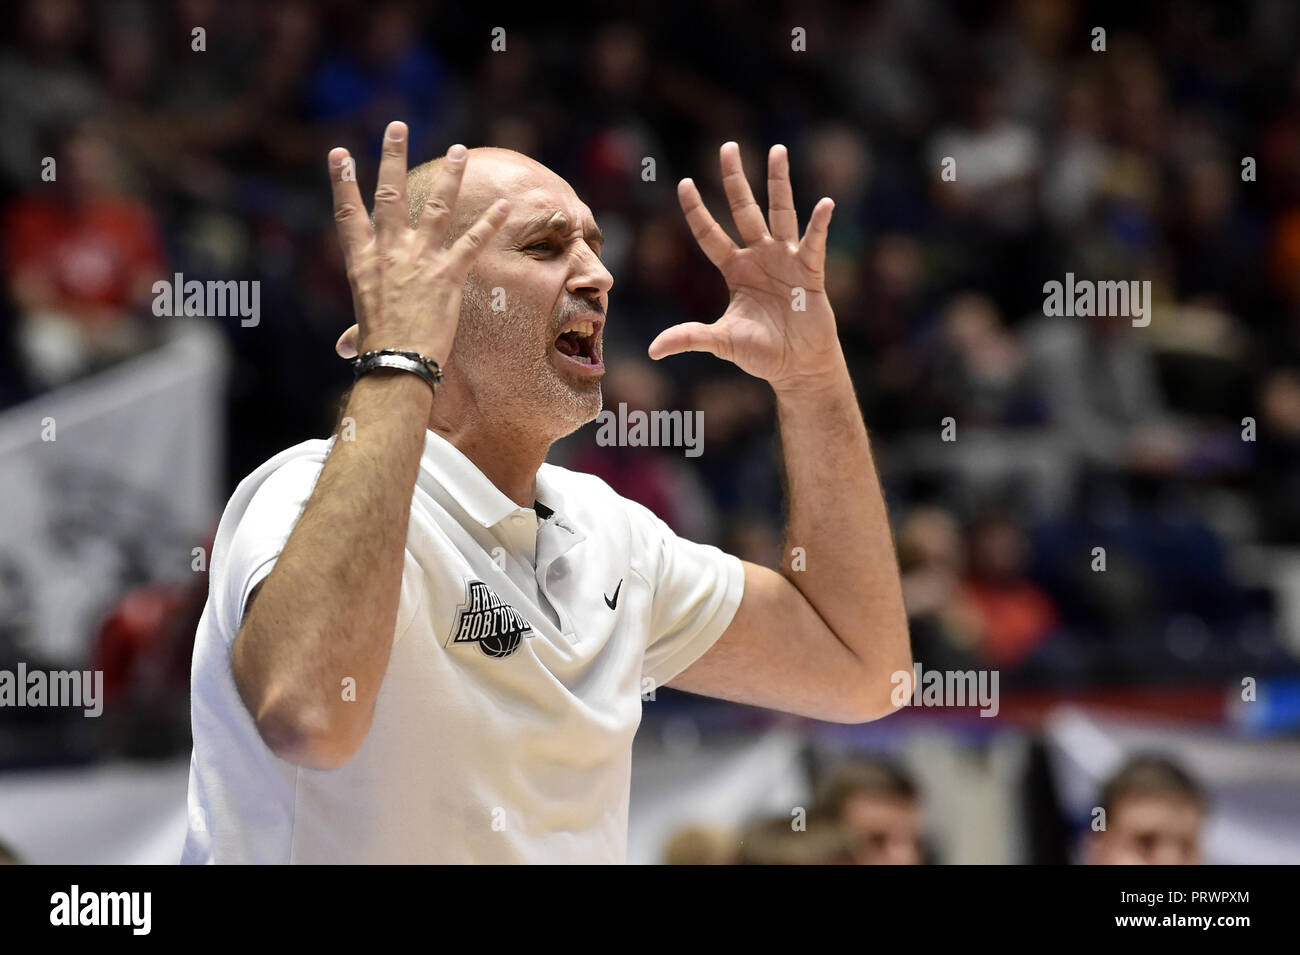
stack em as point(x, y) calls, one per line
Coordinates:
point(503, 728)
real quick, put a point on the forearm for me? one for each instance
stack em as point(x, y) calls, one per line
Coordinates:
point(846, 566)
point(328, 609)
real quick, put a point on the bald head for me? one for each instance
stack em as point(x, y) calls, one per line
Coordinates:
point(490, 172)
point(546, 218)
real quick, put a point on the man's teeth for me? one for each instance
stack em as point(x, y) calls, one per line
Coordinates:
point(579, 338)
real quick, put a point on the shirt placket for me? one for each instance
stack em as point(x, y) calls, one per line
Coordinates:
point(555, 538)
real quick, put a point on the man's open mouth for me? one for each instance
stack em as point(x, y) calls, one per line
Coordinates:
point(580, 342)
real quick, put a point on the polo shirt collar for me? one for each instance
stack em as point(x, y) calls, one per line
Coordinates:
point(482, 500)
point(551, 509)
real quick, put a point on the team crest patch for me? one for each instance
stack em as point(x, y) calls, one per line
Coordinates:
point(489, 621)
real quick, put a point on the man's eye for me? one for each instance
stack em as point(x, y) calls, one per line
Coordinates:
point(544, 246)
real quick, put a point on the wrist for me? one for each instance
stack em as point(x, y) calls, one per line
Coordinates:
point(815, 385)
point(395, 385)
point(427, 349)
point(405, 361)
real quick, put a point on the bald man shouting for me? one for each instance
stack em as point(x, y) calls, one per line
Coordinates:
point(421, 642)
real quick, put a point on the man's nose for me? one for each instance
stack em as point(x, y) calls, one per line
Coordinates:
point(589, 276)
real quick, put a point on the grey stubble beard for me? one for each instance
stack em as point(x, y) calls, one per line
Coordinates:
point(506, 361)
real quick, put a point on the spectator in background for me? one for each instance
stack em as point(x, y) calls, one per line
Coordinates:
point(776, 841)
point(81, 260)
point(1012, 614)
point(616, 131)
point(1079, 155)
point(839, 161)
point(44, 83)
point(993, 182)
point(702, 845)
point(1154, 815)
point(738, 439)
point(660, 288)
point(979, 369)
point(1213, 253)
point(875, 66)
point(384, 69)
point(886, 309)
point(932, 558)
point(1104, 396)
point(1276, 475)
point(879, 809)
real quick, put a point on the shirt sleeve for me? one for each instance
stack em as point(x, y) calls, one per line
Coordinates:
point(264, 529)
point(695, 590)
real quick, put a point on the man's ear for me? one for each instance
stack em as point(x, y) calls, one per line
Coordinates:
point(346, 346)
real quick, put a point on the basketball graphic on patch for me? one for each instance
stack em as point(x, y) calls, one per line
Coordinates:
point(502, 645)
point(489, 621)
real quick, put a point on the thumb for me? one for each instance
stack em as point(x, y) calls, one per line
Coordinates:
point(688, 336)
point(346, 346)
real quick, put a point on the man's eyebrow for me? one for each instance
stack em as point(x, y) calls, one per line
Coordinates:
point(559, 222)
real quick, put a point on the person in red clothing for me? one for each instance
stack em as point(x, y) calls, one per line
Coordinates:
point(1013, 615)
point(80, 260)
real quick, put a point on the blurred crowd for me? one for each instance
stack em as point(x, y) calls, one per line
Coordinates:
point(1071, 497)
point(869, 811)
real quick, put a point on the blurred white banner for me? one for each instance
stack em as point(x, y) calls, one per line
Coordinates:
point(112, 814)
point(107, 483)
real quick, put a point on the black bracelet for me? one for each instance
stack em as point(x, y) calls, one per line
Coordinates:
point(426, 361)
point(372, 360)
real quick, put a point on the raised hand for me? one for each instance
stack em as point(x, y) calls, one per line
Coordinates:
point(406, 286)
point(763, 331)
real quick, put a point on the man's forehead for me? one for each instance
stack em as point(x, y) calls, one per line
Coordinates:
point(1164, 808)
point(535, 192)
point(540, 212)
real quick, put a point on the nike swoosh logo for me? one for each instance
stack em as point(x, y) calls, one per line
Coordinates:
point(614, 603)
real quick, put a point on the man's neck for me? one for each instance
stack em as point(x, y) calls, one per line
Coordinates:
point(509, 460)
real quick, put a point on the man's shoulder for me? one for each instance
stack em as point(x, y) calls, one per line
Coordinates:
point(255, 522)
point(578, 488)
point(284, 479)
point(294, 462)
point(558, 476)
